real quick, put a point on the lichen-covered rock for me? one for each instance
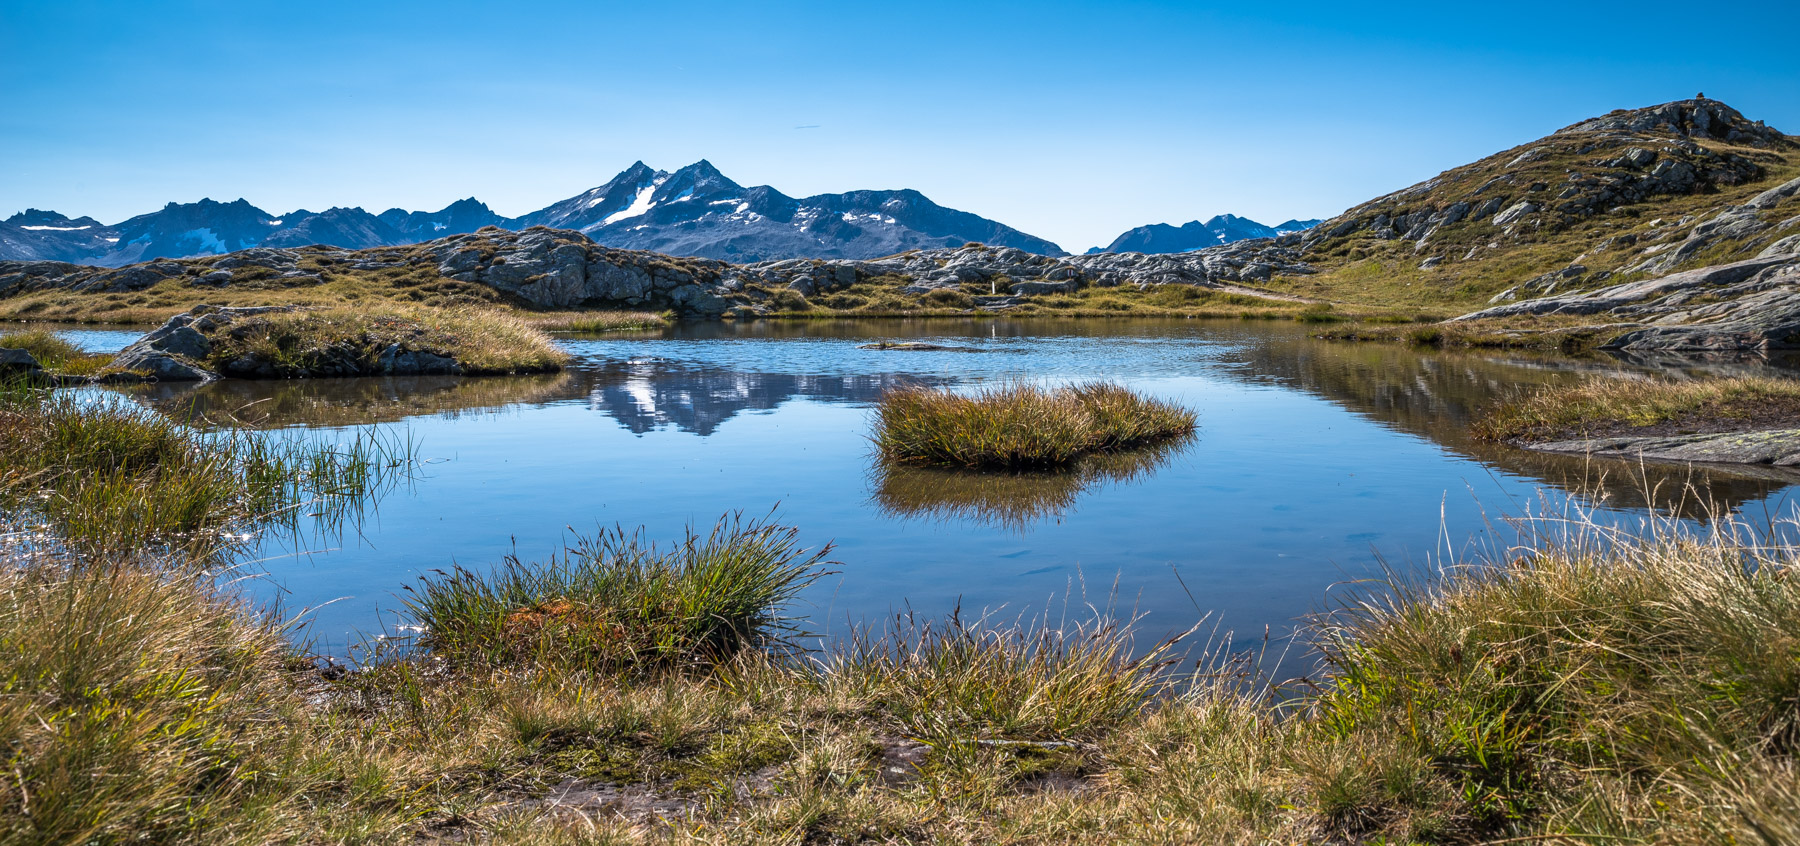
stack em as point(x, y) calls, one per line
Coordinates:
point(1780, 447)
point(1745, 305)
point(15, 362)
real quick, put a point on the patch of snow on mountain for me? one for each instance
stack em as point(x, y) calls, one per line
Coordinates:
point(274, 223)
point(56, 228)
point(639, 205)
point(725, 202)
point(209, 240)
point(685, 196)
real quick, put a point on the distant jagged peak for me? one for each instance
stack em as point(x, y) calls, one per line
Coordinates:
point(45, 219)
point(1699, 117)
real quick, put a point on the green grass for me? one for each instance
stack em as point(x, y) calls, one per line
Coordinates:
point(1591, 686)
point(1020, 425)
point(613, 602)
point(109, 477)
point(1571, 410)
point(54, 353)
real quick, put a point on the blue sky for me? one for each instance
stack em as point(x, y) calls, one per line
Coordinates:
point(1070, 120)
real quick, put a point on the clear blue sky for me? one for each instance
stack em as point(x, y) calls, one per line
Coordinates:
point(1070, 120)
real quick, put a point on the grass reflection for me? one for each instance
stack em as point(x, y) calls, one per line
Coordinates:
point(1010, 500)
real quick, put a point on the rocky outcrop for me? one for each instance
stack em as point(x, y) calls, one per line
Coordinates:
point(1745, 305)
point(1696, 118)
point(188, 349)
point(1780, 448)
point(176, 351)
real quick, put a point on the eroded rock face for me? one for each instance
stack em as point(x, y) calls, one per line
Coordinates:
point(1746, 305)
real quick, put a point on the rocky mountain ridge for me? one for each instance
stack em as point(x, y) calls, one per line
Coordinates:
point(695, 211)
point(1194, 235)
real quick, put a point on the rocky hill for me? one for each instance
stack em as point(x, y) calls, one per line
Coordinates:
point(695, 211)
point(1630, 195)
point(1194, 235)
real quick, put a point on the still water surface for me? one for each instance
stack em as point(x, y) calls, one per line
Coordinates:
point(1313, 462)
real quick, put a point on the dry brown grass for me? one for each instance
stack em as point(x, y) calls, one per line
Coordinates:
point(1614, 404)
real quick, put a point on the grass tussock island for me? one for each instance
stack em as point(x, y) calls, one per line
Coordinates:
point(1625, 407)
point(1591, 686)
point(352, 341)
point(1021, 425)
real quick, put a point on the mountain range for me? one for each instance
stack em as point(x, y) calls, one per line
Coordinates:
point(1194, 235)
point(695, 211)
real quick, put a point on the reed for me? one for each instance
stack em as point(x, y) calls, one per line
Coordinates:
point(1021, 425)
point(109, 477)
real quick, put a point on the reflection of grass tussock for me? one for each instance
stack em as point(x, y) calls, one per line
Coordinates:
point(1011, 500)
point(1021, 425)
point(345, 402)
point(1624, 404)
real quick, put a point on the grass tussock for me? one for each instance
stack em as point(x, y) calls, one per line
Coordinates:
point(1624, 406)
point(351, 341)
point(135, 706)
point(1020, 425)
point(54, 353)
point(615, 602)
point(595, 321)
point(106, 476)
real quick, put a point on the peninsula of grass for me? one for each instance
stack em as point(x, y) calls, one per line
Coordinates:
point(1620, 407)
point(1020, 425)
point(54, 353)
point(351, 342)
point(594, 322)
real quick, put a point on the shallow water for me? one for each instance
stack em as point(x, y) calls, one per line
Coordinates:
point(1314, 461)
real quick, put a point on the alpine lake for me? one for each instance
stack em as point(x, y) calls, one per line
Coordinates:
point(1319, 469)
